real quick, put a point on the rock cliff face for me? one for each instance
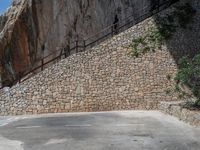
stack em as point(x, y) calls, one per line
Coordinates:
point(35, 28)
point(107, 77)
point(3, 20)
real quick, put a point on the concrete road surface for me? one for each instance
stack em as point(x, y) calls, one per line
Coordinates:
point(127, 130)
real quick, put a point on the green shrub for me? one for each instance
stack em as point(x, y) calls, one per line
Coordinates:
point(189, 75)
point(184, 14)
point(139, 46)
point(166, 26)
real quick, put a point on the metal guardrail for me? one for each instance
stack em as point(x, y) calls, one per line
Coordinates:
point(80, 46)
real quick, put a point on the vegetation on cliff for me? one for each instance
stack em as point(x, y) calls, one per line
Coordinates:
point(166, 27)
point(189, 75)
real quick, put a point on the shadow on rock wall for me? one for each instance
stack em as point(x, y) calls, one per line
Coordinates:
point(181, 29)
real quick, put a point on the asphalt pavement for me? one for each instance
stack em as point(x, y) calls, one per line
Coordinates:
point(122, 130)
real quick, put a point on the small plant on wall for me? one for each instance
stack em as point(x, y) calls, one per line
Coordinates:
point(169, 77)
point(166, 27)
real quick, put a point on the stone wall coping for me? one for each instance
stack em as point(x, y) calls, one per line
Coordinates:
point(175, 109)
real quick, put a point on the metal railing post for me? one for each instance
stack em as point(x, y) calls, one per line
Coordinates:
point(19, 77)
point(65, 52)
point(42, 67)
point(84, 45)
point(76, 46)
point(112, 30)
point(61, 53)
point(69, 49)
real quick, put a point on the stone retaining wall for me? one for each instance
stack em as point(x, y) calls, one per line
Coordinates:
point(186, 115)
point(103, 78)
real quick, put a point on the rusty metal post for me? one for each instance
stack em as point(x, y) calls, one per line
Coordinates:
point(19, 77)
point(84, 45)
point(76, 46)
point(42, 67)
point(112, 30)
